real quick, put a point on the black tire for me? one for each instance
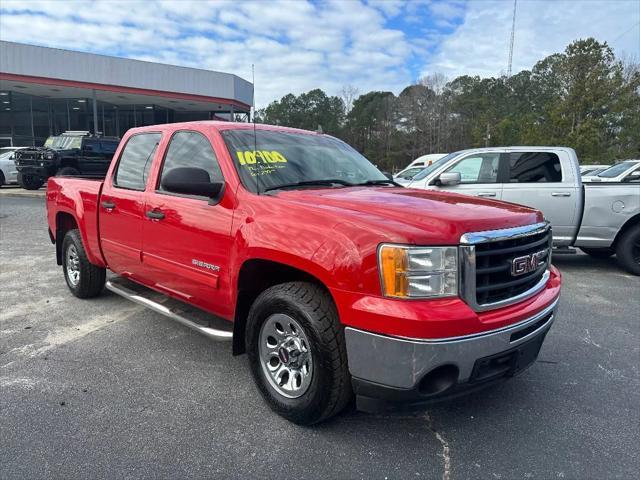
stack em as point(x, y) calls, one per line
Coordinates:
point(628, 250)
point(91, 278)
point(30, 182)
point(68, 172)
point(1, 178)
point(598, 252)
point(329, 390)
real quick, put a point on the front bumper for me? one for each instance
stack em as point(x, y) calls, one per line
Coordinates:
point(43, 172)
point(389, 369)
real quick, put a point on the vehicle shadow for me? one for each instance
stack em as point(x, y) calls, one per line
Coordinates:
point(581, 262)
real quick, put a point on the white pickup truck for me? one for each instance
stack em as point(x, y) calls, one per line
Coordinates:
point(601, 219)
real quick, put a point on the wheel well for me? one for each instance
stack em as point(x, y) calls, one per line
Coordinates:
point(64, 223)
point(635, 220)
point(255, 277)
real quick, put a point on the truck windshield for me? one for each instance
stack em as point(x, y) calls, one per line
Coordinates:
point(63, 142)
point(434, 166)
point(272, 159)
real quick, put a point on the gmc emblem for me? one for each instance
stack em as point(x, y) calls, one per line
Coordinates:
point(526, 263)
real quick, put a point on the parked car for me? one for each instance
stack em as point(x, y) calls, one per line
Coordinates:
point(592, 169)
point(72, 153)
point(627, 171)
point(403, 177)
point(332, 279)
point(600, 220)
point(8, 172)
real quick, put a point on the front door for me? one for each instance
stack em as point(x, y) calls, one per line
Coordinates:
point(187, 239)
point(479, 176)
point(122, 205)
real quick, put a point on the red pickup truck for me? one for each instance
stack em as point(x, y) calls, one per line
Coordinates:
point(335, 281)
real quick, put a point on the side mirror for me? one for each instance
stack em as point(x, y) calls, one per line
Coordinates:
point(450, 178)
point(388, 175)
point(192, 181)
point(632, 177)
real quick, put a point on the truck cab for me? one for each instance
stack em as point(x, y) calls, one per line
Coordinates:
point(545, 178)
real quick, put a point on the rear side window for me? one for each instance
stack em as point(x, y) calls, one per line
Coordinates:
point(191, 149)
point(534, 167)
point(481, 168)
point(135, 161)
point(109, 147)
point(92, 146)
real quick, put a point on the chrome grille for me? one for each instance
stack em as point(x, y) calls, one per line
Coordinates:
point(491, 261)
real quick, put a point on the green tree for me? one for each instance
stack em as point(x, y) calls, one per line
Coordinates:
point(308, 111)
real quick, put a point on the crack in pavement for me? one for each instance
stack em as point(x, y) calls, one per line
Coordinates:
point(446, 457)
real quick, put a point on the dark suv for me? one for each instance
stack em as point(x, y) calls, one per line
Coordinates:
point(72, 153)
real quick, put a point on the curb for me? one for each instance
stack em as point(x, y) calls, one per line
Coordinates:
point(22, 193)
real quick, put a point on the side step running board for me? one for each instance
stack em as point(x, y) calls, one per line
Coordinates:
point(143, 296)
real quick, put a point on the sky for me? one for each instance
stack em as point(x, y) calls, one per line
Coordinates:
point(298, 45)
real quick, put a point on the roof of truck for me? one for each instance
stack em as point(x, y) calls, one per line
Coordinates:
point(223, 125)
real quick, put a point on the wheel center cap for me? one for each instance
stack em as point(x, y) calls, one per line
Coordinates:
point(283, 355)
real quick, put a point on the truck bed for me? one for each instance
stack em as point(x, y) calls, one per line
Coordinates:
point(608, 206)
point(72, 199)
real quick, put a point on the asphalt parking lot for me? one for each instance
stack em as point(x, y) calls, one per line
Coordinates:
point(104, 389)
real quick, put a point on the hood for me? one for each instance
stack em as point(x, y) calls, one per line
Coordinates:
point(414, 216)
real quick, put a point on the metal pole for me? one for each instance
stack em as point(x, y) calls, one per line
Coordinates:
point(33, 132)
point(135, 119)
point(95, 114)
point(68, 117)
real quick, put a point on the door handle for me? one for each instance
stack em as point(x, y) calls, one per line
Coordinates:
point(560, 194)
point(108, 205)
point(486, 194)
point(155, 215)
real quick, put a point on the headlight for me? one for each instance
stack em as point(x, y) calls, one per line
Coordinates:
point(418, 272)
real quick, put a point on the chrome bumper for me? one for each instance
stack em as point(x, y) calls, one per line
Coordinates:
point(402, 363)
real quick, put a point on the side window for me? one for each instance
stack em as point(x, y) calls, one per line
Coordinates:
point(91, 146)
point(135, 161)
point(109, 148)
point(191, 149)
point(481, 168)
point(533, 167)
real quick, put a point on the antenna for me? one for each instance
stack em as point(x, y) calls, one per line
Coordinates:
point(255, 134)
point(513, 32)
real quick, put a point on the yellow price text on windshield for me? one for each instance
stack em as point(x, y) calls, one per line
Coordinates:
point(251, 157)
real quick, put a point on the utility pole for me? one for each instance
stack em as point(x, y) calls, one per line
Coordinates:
point(513, 32)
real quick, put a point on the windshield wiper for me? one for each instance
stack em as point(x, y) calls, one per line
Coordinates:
point(376, 182)
point(307, 183)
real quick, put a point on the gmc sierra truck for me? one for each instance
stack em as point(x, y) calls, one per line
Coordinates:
point(600, 219)
point(335, 281)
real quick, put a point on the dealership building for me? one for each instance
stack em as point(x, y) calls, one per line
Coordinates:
point(46, 91)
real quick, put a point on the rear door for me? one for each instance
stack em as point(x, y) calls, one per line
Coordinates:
point(187, 239)
point(479, 175)
point(543, 180)
point(122, 205)
point(91, 159)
